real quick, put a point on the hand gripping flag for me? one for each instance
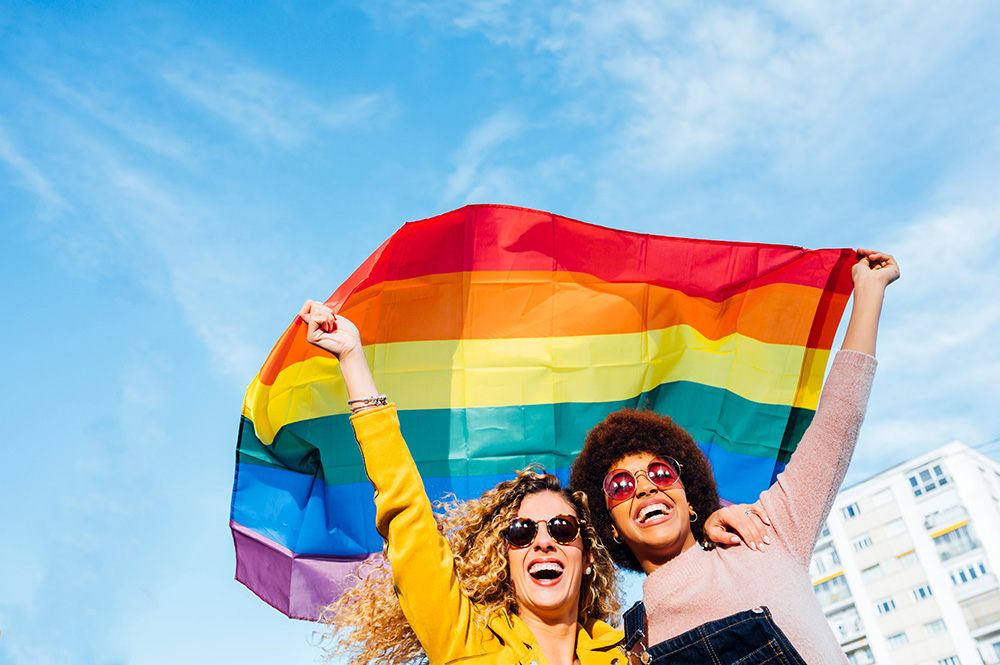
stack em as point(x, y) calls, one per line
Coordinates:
point(503, 335)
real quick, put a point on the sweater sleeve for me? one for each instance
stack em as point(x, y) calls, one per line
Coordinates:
point(434, 603)
point(801, 497)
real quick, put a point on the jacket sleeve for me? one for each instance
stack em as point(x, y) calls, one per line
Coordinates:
point(423, 571)
point(801, 497)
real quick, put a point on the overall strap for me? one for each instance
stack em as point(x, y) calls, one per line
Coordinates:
point(635, 625)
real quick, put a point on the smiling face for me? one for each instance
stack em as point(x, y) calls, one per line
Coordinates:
point(547, 575)
point(654, 523)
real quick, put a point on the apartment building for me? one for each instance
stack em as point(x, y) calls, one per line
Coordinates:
point(906, 566)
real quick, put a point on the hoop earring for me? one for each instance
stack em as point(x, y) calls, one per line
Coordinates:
point(618, 541)
point(694, 515)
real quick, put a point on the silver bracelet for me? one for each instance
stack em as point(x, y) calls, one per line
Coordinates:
point(374, 400)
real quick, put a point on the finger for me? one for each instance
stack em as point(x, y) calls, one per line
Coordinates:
point(328, 323)
point(758, 510)
point(312, 329)
point(306, 309)
point(749, 532)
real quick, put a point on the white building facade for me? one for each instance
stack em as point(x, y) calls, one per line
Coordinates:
point(906, 567)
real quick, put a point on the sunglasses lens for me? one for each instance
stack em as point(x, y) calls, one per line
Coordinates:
point(563, 529)
point(619, 485)
point(521, 532)
point(662, 473)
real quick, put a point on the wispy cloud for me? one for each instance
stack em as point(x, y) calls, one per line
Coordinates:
point(937, 350)
point(688, 83)
point(473, 177)
point(29, 176)
point(264, 105)
point(115, 113)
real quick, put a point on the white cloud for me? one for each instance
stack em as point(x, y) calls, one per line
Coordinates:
point(472, 178)
point(204, 273)
point(938, 356)
point(115, 113)
point(262, 104)
point(688, 84)
point(31, 177)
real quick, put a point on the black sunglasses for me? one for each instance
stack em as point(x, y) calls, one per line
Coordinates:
point(563, 529)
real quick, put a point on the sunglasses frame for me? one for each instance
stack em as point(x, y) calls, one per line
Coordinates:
point(669, 461)
point(580, 523)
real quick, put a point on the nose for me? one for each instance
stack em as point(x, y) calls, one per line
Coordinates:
point(543, 541)
point(643, 485)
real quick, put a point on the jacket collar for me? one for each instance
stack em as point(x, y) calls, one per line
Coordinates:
point(594, 635)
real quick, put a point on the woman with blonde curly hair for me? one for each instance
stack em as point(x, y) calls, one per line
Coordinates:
point(518, 576)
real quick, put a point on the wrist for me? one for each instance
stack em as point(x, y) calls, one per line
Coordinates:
point(869, 289)
point(352, 354)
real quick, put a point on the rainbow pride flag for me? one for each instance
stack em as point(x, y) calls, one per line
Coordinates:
point(503, 335)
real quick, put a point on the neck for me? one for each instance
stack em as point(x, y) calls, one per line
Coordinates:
point(556, 639)
point(655, 560)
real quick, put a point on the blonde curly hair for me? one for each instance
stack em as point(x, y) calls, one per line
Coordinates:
point(474, 531)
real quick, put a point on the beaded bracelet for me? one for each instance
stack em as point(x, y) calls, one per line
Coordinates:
point(365, 402)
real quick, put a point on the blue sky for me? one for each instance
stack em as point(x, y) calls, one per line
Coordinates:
point(175, 179)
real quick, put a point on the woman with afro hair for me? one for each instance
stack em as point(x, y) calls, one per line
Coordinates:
point(648, 485)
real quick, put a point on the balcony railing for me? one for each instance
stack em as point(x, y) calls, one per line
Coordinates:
point(850, 630)
point(952, 515)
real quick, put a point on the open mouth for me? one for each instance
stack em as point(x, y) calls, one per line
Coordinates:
point(652, 511)
point(545, 571)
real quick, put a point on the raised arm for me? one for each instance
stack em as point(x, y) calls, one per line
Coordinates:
point(429, 593)
point(801, 497)
point(341, 338)
point(871, 274)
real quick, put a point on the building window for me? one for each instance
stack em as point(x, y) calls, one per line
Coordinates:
point(862, 542)
point(951, 660)
point(835, 558)
point(898, 640)
point(907, 559)
point(872, 573)
point(885, 605)
point(850, 511)
point(928, 479)
point(968, 573)
point(934, 627)
point(894, 528)
point(832, 590)
point(981, 610)
point(825, 532)
point(921, 593)
point(861, 657)
point(954, 542)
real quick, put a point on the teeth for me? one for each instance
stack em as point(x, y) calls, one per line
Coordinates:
point(645, 511)
point(545, 565)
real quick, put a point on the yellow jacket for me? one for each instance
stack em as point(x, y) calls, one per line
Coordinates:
point(438, 610)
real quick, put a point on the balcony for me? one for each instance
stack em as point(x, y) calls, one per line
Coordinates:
point(982, 611)
point(954, 541)
point(833, 590)
point(945, 518)
point(849, 630)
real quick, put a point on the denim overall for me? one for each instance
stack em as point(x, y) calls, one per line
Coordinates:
point(746, 638)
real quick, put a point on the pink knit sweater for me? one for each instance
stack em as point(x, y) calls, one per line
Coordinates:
point(699, 586)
